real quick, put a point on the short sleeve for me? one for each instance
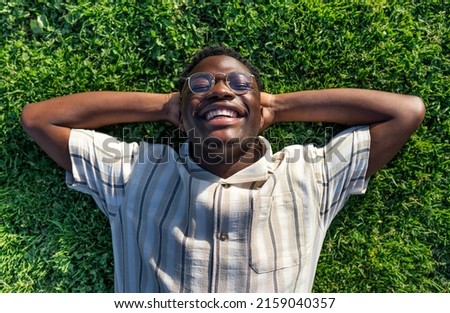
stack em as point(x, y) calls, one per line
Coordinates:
point(101, 166)
point(342, 169)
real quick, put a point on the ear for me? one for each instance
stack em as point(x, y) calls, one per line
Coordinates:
point(180, 113)
point(261, 123)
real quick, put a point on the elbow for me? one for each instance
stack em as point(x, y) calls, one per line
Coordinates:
point(411, 113)
point(416, 111)
point(27, 118)
point(30, 119)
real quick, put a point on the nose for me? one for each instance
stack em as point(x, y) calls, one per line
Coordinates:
point(221, 89)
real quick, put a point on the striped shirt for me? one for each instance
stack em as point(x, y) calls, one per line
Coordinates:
point(178, 228)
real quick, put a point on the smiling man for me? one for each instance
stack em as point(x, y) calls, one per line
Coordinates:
point(224, 214)
point(221, 112)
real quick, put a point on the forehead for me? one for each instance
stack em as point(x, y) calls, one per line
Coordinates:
point(219, 63)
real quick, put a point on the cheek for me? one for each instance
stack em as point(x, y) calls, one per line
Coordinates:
point(252, 101)
point(188, 106)
point(253, 97)
point(187, 109)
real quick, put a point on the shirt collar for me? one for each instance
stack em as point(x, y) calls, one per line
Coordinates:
point(259, 171)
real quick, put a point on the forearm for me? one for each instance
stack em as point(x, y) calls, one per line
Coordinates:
point(92, 110)
point(49, 122)
point(392, 117)
point(343, 106)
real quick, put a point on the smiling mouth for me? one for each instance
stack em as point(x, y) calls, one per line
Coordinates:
point(221, 113)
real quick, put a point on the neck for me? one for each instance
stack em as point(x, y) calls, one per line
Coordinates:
point(226, 159)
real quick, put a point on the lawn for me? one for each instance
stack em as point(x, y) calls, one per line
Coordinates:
point(396, 238)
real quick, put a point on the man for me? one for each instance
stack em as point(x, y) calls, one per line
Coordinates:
point(224, 214)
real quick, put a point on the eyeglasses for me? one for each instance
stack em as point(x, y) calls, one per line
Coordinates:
point(238, 82)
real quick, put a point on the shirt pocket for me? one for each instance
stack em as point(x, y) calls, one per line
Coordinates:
point(274, 233)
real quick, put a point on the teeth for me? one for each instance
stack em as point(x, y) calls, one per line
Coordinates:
point(221, 112)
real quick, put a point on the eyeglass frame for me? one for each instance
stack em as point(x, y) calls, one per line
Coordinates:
point(214, 80)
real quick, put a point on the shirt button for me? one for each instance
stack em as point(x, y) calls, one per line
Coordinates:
point(226, 186)
point(222, 236)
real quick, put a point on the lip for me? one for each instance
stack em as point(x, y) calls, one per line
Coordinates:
point(203, 111)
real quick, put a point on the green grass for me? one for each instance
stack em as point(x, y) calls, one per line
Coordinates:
point(396, 238)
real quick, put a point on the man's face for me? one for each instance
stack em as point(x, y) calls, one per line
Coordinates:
point(221, 114)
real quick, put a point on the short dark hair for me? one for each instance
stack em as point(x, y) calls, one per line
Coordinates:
point(213, 51)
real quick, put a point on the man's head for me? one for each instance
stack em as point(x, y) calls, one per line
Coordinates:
point(226, 104)
point(221, 111)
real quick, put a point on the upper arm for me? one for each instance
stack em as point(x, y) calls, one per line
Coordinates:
point(388, 137)
point(51, 138)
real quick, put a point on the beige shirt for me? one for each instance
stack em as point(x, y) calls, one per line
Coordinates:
point(179, 228)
